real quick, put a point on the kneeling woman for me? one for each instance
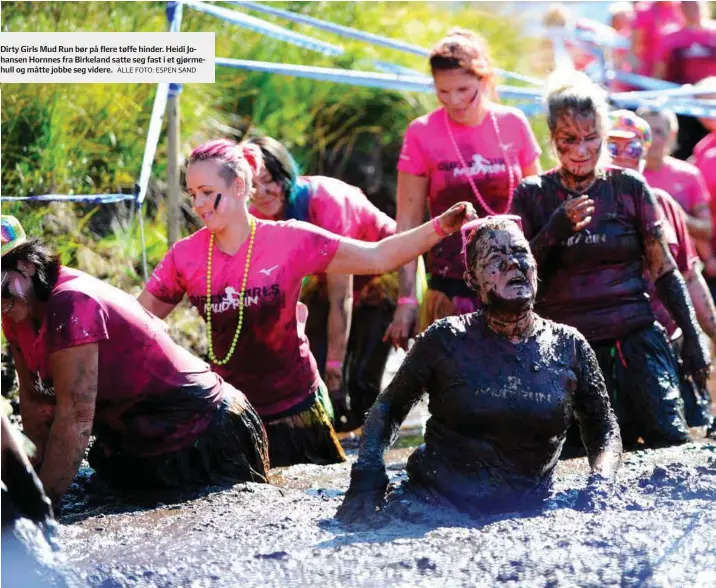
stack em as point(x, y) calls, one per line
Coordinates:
point(503, 386)
point(91, 360)
point(244, 276)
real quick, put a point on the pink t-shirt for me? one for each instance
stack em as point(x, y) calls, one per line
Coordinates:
point(272, 363)
point(428, 151)
point(681, 180)
point(153, 396)
point(652, 20)
point(705, 160)
point(690, 54)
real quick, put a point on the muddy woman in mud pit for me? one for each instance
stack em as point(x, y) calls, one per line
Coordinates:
point(91, 360)
point(593, 229)
point(503, 386)
point(250, 271)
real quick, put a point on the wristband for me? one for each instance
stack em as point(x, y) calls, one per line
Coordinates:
point(438, 228)
point(407, 300)
point(334, 363)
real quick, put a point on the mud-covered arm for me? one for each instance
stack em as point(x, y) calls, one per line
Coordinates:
point(75, 374)
point(672, 291)
point(368, 477)
point(702, 301)
point(597, 422)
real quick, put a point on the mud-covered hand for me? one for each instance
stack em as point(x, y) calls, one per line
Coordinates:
point(365, 497)
point(697, 359)
point(401, 328)
point(597, 495)
point(571, 216)
point(339, 397)
point(454, 217)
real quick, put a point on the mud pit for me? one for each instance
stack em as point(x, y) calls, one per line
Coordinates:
point(660, 532)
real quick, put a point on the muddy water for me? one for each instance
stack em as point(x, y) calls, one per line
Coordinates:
point(660, 531)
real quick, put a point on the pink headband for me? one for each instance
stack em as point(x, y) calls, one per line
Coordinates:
point(468, 230)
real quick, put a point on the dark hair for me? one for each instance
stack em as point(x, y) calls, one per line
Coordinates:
point(573, 92)
point(279, 163)
point(46, 261)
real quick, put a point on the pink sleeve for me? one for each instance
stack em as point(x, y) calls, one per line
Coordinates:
point(412, 158)
point(529, 148)
point(164, 283)
point(699, 191)
point(73, 319)
point(313, 247)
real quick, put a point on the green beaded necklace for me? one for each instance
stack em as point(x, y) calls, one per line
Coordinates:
point(212, 356)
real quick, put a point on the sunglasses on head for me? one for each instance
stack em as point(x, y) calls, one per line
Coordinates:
point(633, 149)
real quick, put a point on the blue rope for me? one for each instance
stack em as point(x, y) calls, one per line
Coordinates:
point(94, 198)
point(265, 28)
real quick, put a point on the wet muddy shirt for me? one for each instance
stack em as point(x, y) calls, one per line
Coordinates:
point(428, 152)
point(153, 396)
point(690, 54)
point(594, 281)
point(272, 363)
point(341, 209)
point(682, 248)
point(499, 411)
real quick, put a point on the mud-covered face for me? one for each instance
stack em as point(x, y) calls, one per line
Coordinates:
point(205, 183)
point(578, 142)
point(505, 270)
point(16, 295)
point(269, 197)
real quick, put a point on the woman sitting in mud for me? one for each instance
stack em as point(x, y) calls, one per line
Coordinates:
point(503, 384)
point(91, 360)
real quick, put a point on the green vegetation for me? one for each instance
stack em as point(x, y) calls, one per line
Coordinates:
point(90, 138)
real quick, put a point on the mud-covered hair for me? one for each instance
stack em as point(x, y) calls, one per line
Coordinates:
point(573, 93)
point(473, 238)
point(46, 261)
point(278, 162)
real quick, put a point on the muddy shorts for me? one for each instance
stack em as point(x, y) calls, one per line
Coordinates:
point(697, 400)
point(643, 384)
point(305, 436)
point(232, 449)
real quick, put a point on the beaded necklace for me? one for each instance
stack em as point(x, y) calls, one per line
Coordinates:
point(504, 156)
point(212, 356)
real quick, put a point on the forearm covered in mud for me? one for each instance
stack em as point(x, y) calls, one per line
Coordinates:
point(390, 410)
point(597, 422)
point(703, 302)
point(670, 286)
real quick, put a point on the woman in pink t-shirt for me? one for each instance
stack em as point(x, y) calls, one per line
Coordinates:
point(91, 361)
point(244, 276)
point(680, 179)
point(345, 337)
point(651, 21)
point(471, 148)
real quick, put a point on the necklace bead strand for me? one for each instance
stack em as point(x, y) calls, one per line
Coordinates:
point(510, 172)
point(244, 281)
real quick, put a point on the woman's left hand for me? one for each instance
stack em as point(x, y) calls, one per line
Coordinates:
point(454, 217)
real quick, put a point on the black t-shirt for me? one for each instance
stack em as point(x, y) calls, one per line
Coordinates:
point(594, 281)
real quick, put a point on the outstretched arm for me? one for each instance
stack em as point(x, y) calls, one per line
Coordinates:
point(368, 478)
point(359, 257)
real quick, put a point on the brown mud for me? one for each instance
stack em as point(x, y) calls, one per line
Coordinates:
point(660, 530)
